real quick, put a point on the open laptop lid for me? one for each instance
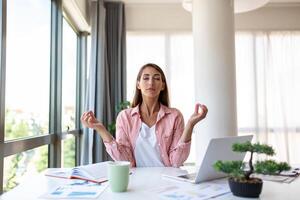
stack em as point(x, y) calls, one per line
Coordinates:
point(219, 149)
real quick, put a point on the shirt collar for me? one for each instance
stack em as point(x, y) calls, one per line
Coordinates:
point(163, 110)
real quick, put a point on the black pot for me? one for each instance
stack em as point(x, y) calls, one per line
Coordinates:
point(245, 189)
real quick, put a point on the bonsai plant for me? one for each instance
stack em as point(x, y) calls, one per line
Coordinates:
point(240, 181)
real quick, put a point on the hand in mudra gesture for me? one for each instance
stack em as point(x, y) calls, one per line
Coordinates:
point(199, 114)
point(89, 120)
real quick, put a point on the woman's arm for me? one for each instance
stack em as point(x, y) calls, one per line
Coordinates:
point(197, 116)
point(119, 148)
point(180, 147)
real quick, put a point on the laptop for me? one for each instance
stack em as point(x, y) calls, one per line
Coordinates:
point(218, 149)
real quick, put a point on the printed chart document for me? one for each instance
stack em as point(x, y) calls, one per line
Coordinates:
point(96, 173)
point(284, 177)
point(77, 190)
point(202, 191)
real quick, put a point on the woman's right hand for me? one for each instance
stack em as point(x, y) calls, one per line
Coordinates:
point(89, 120)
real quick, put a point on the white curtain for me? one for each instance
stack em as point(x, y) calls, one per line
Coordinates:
point(268, 90)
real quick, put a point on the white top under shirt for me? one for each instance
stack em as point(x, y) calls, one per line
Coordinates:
point(146, 150)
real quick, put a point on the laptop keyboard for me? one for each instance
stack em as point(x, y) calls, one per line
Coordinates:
point(191, 176)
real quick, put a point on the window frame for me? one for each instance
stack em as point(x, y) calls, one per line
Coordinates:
point(2, 86)
point(55, 136)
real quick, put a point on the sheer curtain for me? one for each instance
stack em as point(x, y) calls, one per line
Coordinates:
point(173, 52)
point(268, 90)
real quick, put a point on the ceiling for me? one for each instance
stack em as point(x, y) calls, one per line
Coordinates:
point(179, 1)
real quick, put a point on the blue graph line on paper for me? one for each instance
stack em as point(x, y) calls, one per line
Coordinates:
point(177, 196)
point(80, 183)
point(57, 192)
point(81, 194)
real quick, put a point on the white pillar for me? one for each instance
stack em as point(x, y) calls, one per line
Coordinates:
point(214, 58)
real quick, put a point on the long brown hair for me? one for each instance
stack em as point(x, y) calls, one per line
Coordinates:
point(164, 94)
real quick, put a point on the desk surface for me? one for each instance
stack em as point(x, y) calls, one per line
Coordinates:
point(142, 180)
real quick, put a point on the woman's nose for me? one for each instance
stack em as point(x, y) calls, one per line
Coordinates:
point(151, 81)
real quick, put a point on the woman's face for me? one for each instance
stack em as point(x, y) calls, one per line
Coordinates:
point(150, 83)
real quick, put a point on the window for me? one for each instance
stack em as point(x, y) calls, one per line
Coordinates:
point(27, 68)
point(68, 151)
point(23, 165)
point(268, 88)
point(69, 92)
point(69, 77)
point(41, 89)
point(27, 85)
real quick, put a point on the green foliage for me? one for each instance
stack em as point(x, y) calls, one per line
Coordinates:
point(242, 147)
point(236, 169)
point(16, 165)
point(122, 105)
point(69, 152)
point(12, 175)
point(270, 167)
point(42, 162)
point(233, 168)
point(15, 129)
point(256, 148)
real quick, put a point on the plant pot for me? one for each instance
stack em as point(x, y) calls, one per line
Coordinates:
point(250, 188)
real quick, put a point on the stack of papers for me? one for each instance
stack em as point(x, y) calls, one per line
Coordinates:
point(284, 177)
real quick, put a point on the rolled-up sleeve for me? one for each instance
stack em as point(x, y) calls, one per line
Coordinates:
point(120, 148)
point(179, 151)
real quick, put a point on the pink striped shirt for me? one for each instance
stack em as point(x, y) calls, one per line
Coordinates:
point(168, 130)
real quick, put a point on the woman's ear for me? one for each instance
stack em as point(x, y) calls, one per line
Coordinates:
point(163, 87)
point(138, 85)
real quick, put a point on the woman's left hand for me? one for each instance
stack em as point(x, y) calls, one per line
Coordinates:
point(199, 114)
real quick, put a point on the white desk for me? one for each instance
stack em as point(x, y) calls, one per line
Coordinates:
point(142, 180)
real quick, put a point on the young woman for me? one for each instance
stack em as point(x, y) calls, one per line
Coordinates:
point(150, 133)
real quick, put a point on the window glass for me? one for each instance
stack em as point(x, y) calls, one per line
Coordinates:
point(89, 51)
point(27, 68)
point(68, 151)
point(69, 77)
point(22, 166)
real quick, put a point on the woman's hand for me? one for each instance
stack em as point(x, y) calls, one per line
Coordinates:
point(198, 115)
point(89, 120)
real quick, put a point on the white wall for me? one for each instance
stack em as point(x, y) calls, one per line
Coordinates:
point(83, 6)
point(168, 17)
point(155, 17)
point(270, 18)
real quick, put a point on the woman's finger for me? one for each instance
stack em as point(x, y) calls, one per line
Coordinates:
point(197, 108)
point(204, 108)
point(83, 115)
